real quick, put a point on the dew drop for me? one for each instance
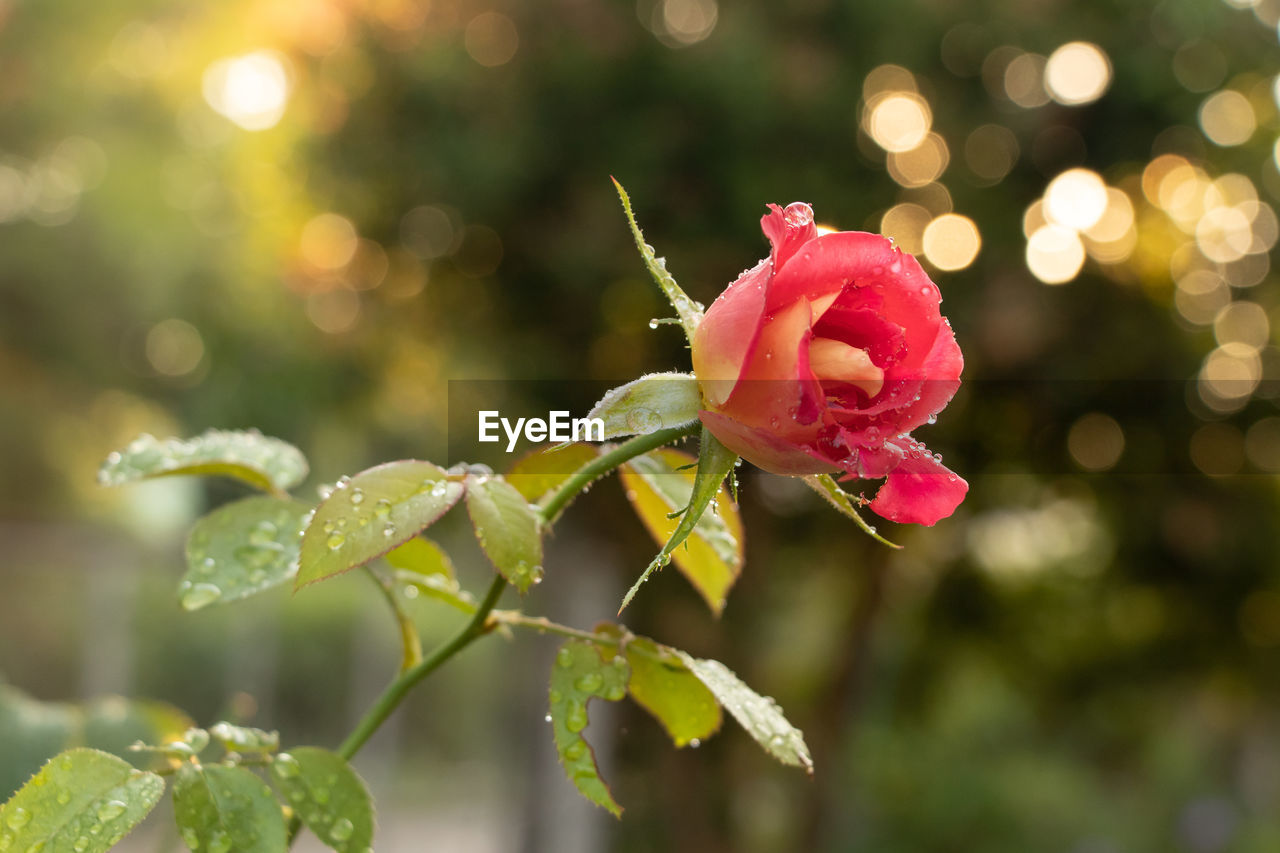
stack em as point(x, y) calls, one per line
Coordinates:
point(200, 595)
point(653, 324)
point(357, 496)
point(19, 818)
point(575, 750)
point(342, 830)
point(320, 795)
point(547, 718)
point(264, 533)
point(575, 720)
point(382, 509)
point(589, 683)
point(64, 797)
point(439, 489)
point(81, 845)
point(694, 743)
point(335, 541)
point(564, 658)
point(191, 838)
point(616, 692)
point(389, 530)
point(220, 842)
point(797, 215)
point(555, 697)
point(285, 766)
point(110, 810)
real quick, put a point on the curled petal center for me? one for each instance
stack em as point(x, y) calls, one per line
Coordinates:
point(838, 362)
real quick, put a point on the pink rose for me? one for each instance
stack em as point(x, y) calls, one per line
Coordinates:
point(825, 356)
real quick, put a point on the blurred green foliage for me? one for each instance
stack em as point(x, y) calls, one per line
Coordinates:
point(1081, 660)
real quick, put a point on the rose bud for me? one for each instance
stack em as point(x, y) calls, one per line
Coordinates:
point(825, 356)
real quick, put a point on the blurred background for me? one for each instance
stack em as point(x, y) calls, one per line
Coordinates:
point(309, 215)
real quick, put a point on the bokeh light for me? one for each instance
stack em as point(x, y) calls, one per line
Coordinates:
point(1076, 199)
point(1077, 73)
point(1096, 441)
point(1227, 118)
point(951, 242)
point(250, 90)
point(1055, 254)
point(899, 121)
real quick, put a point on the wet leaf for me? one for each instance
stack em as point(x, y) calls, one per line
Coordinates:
point(328, 796)
point(662, 685)
point(648, 404)
point(689, 311)
point(223, 809)
point(826, 485)
point(425, 566)
point(82, 801)
point(759, 715)
point(264, 463)
point(660, 483)
point(508, 528)
point(541, 472)
point(579, 675)
point(372, 513)
point(242, 549)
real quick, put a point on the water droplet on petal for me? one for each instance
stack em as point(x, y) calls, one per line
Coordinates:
point(797, 215)
point(335, 541)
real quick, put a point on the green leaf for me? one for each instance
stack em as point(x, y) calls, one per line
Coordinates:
point(713, 558)
point(662, 685)
point(222, 809)
point(370, 514)
point(264, 463)
point(648, 404)
point(327, 795)
point(423, 557)
point(242, 549)
point(83, 801)
point(578, 675)
point(826, 485)
point(508, 528)
point(688, 311)
point(423, 565)
point(759, 715)
point(542, 471)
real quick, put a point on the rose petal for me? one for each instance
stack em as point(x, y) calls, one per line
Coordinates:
point(872, 274)
point(785, 238)
point(727, 332)
point(776, 387)
point(921, 490)
point(764, 449)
